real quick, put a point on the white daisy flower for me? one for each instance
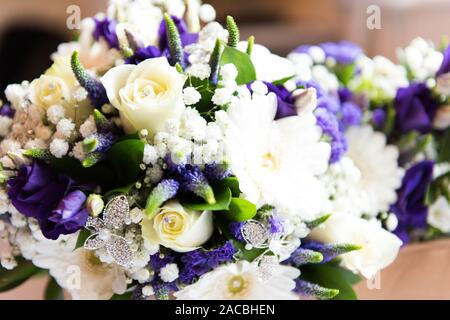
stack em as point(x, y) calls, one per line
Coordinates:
point(277, 162)
point(377, 162)
point(242, 281)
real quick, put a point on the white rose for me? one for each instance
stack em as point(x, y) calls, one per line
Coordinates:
point(177, 228)
point(379, 247)
point(146, 94)
point(439, 214)
point(48, 90)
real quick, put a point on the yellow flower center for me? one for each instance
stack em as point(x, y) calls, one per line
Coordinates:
point(269, 161)
point(172, 223)
point(149, 88)
point(238, 285)
point(51, 92)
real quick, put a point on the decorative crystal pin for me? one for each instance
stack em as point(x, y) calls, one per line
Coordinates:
point(115, 215)
point(255, 234)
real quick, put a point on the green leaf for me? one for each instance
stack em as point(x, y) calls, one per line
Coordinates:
point(53, 291)
point(240, 210)
point(444, 147)
point(129, 136)
point(99, 174)
point(223, 199)
point(10, 279)
point(242, 62)
point(120, 190)
point(233, 184)
point(206, 90)
point(330, 275)
point(125, 296)
point(82, 236)
point(125, 158)
point(317, 222)
point(283, 80)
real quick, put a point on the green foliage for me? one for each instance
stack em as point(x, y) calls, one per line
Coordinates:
point(444, 147)
point(332, 276)
point(125, 158)
point(53, 291)
point(82, 236)
point(206, 90)
point(174, 40)
point(10, 279)
point(233, 32)
point(243, 63)
point(222, 195)
point(233, 184)
point(240, 210)
point(250, 43)
point(317, 222)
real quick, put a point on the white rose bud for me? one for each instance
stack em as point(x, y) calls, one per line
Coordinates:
point(146, 94)
point(95, 204)
point(178, 228)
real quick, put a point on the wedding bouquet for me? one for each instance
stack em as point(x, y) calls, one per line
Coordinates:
point(160, 156)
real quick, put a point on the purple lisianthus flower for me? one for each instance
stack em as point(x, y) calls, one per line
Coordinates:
point(69, 216)
point(285, 101)
point(106, 29)
point(344, 52)
point(415, 108)
point(142, 54)
point(445, 66)
point(7, 111)
point(410, 207)
point(38, 193)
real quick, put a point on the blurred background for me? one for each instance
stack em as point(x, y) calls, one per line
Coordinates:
point(31, 29)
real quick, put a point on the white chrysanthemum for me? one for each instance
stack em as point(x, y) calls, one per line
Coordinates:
point(277, 162)
point(79, 271)
point(242, 281)
point(377, 162)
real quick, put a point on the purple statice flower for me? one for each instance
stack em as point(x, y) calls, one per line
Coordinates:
point(351, 115)
point(329, 124)
point(198, 262)
point(106, 29)
point(415, 108)
point(7, 111)
point(344, 52)
point(379, 118)
point(156, 263)
point(142, 54)
point(410, 207)
point(445, 66)
point(191, 179)
point(215, 172)
point(276, 225)
point(235, 229)
point(54, 200)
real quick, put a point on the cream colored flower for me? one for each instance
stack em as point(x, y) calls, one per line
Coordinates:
point(178, 228)
point(379, 248)
point(146, 94)
point(48, 90)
